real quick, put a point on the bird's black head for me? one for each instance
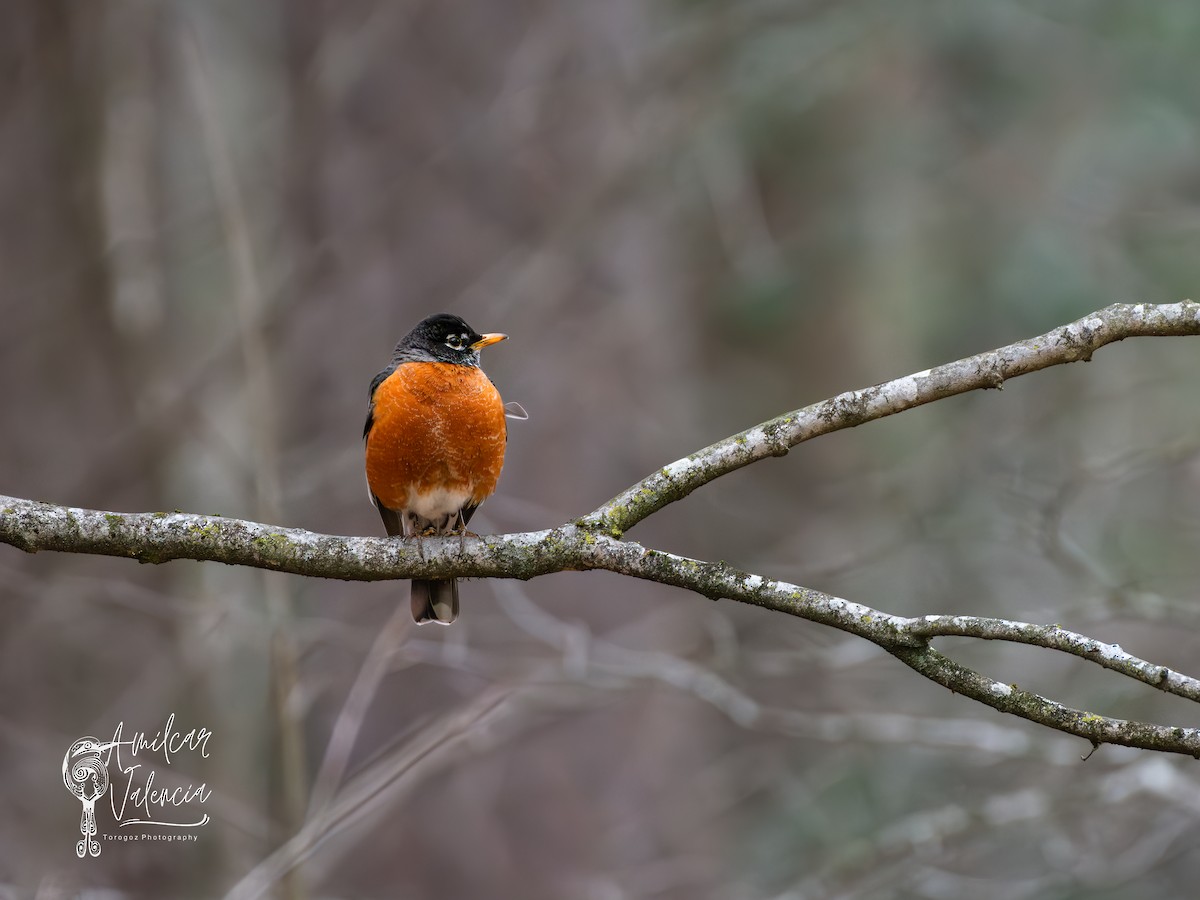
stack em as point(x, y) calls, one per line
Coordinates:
point(444, 338)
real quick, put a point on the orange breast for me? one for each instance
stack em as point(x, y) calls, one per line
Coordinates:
point(438, 438)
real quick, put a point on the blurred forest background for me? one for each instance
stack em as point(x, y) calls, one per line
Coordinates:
point(216, 219)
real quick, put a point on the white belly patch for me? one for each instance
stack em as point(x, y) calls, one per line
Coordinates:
point(436, 506)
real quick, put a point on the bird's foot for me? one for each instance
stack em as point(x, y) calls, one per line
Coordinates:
point(419, 537)
point(463, 534)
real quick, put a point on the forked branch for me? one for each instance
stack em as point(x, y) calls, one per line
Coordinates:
point(596, 540)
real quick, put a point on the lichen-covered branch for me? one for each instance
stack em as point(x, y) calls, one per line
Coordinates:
point(1010, 698)
point(1070, 343)
point(1109, 656)
point(595, 541)
point(907, 640)
point(159, 537)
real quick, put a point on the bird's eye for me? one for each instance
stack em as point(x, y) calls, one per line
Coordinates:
point(456, 341)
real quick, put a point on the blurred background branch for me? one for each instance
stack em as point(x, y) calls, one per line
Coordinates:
point(290, 788)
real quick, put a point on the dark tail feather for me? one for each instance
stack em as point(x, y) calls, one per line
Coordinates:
point(435, 601)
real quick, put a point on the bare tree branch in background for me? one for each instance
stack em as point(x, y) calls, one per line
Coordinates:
point(249, 304)
point(595, 541)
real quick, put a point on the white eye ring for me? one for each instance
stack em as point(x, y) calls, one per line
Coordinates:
point(456, 341)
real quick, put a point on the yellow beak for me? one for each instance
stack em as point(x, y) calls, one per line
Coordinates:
point(488, 339)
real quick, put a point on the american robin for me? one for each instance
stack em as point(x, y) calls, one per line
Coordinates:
point(435, 439)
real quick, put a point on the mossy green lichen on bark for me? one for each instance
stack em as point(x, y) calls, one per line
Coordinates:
point(272, 547)
point(206, 530)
